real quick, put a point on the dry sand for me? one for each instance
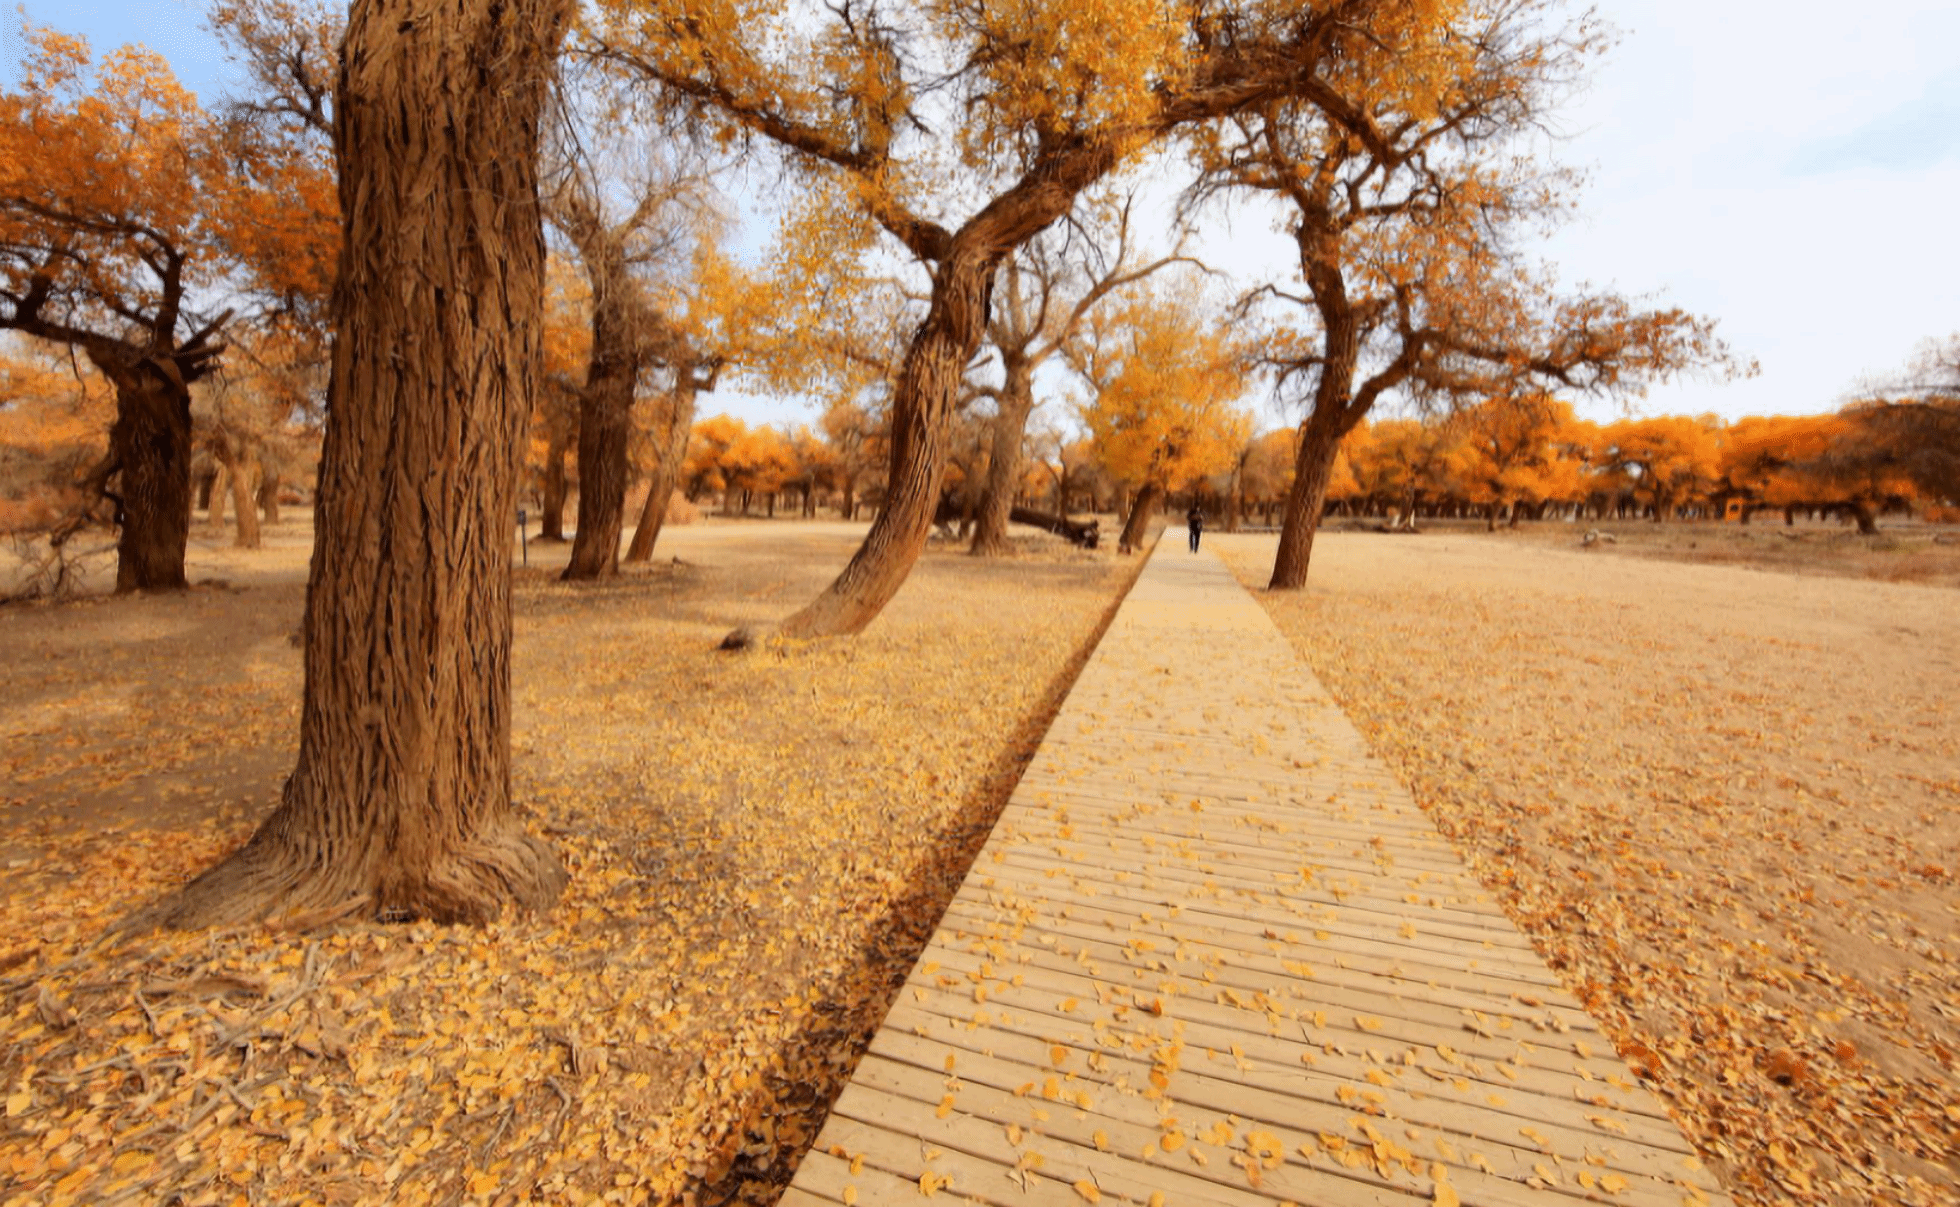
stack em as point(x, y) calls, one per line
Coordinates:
point(1725, 803)
point(759, 845)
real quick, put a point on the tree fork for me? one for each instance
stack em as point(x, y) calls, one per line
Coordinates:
point(399, 804)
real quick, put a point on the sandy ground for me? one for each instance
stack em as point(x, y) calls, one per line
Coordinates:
point(1724, 802)
point(759, 845)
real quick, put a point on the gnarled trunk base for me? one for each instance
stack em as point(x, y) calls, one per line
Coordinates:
point(279, 875)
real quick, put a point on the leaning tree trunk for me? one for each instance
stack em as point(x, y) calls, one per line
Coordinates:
point(922, 406)
point(151, 444)
point(1004, 466)
point(399, 805)
point(928, 384)
point(1335, 408)
point(672, 443)
point(1141, 509)
point(1313, 469)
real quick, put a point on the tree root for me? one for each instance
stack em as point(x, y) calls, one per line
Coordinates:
point(269, 881)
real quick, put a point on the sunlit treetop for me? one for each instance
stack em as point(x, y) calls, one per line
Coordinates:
point(104, 167)
point(926, 106)
point(1167, 381)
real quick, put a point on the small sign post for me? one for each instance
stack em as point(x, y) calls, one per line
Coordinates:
point(524, 533)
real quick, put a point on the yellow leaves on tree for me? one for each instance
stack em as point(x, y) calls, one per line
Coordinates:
point(1167, 381)
point(1665, 460)
point(1836, 461)
point(102, 161)
point(726, 454)
point(108, 233)
point(1523, 448)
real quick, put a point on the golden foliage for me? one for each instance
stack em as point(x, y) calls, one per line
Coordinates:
point(1167, 382)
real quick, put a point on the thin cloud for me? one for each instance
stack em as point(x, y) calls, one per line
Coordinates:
point(1918, 134)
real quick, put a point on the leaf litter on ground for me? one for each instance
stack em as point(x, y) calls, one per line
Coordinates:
point(1724, 804)
point(759, 846)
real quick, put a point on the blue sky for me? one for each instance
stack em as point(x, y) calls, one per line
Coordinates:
point(1792, 171)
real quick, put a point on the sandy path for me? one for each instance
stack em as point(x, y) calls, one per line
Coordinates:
point(1725, 803)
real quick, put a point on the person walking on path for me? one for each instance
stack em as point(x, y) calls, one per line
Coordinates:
point(1195, 521)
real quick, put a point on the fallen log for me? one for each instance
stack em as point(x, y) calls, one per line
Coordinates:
point(1081, 532)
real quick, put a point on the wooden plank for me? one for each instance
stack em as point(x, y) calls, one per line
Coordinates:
point(1220, 894)
point(1539, 1018)
point(995, 1087)
point(1430, 1090)
point(1206, 906)
point(1405, 1019)
point(1340, 939)
point(1311, 877)
point(965, 924)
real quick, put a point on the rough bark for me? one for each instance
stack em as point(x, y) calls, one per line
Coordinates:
point(1004, 464)
point(151, 445)
point(674, 426)
point(619, 351)
point(1335, 409)
point(1141, 509)
point(1085, 533)
point(922, 406)
point(399, 805)
point(605, 430)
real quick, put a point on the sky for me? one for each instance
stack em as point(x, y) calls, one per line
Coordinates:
point(1793, 173)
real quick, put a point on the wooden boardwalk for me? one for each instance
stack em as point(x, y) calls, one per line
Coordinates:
point(1213, 954)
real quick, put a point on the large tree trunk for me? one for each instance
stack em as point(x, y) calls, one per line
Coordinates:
point(922, 406)
point(606, 404)
point(676, 426)
point(244, 508)
point(551, 512)
point(1141, 509)
point(1335, 408)
point(605, 429)
point(399, 805)
point(151, 444)
point(1004, 467)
